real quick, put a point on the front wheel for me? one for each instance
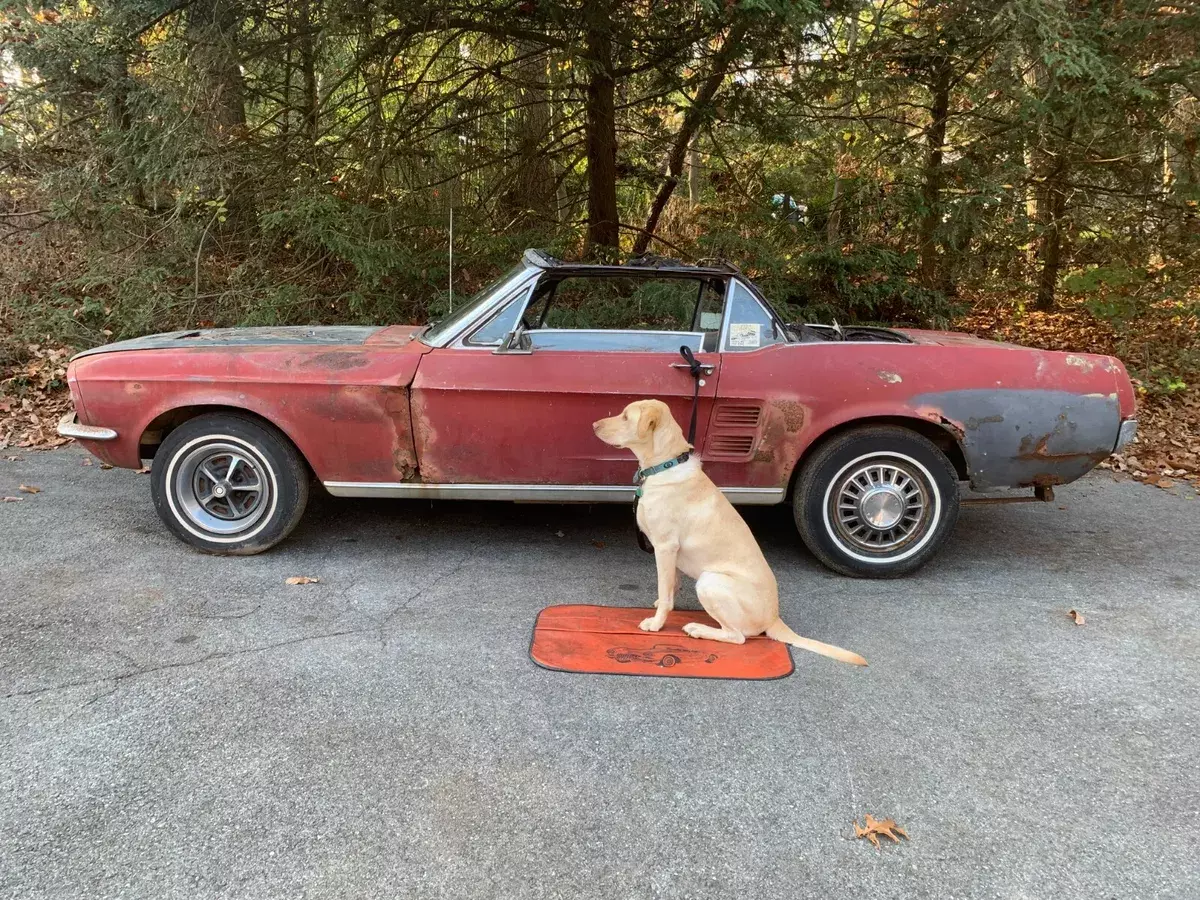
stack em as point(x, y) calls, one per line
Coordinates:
point(226, 483)
point(876, 502)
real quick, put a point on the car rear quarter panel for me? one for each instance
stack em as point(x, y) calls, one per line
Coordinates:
point(1022, 417)
point(345, 408)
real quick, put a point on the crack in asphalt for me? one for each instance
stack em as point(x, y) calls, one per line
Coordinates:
point(402, 605)
point(220, 654)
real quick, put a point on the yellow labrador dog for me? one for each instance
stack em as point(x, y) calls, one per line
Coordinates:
point(696, 530)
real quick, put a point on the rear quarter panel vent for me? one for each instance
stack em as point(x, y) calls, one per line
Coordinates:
point(737, 417)
point(729, 446)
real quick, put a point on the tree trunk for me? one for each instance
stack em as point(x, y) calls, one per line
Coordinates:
point(212, 32)
point(1051, 207)
point(531, 196)
point(121, 119)
point(833, 228)
point(695, 173)
point(931, 267)
point(691, 124)
point(309, 114)
point(600, 130)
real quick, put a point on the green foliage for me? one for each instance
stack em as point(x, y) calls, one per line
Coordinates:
point(167, 165)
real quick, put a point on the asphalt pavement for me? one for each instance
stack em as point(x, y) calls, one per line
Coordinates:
point(181, 725)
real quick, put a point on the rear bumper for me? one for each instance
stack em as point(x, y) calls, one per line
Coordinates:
point(69, 426)
point(1126, 435)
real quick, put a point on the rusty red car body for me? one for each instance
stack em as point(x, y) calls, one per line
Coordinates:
point(418, 412)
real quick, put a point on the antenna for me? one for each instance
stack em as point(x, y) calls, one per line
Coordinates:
point(452, 258)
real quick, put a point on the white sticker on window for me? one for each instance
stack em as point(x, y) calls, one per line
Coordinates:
point(745, 334)
point(710, 321)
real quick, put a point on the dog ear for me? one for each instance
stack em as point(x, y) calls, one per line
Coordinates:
point(647, 421)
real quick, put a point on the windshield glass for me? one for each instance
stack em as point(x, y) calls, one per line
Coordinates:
point(450, 324)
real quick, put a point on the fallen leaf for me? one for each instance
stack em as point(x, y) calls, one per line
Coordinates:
point(303, 579)
point(86, 461)
point(559, 534)
point(28, 489)
point(599, 545)
point(11, 499)
point(105, 466)
point(13, 458)
point(144, 470)
point(876, 827)
point(1077, 616)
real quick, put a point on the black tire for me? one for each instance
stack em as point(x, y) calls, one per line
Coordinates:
point(668, 661)
point(210, 501)
point(858, 483)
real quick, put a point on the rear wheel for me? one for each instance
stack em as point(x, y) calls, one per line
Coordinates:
point(876, 502)
point(229, 484)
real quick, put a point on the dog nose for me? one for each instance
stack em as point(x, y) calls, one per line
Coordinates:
point(596, 425)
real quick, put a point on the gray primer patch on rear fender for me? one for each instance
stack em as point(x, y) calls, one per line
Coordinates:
point(1021, 438)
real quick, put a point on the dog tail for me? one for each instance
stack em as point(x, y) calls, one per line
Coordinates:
point(781, 632)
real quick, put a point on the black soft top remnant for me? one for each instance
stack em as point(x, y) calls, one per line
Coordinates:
point(642, 265)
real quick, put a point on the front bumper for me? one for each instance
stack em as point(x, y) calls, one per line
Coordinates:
point(1126, 435)
point(68, 426)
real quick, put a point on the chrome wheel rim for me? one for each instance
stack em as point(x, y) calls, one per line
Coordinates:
point(880, 506)
point(222, 488)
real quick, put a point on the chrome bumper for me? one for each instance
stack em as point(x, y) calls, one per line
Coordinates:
point(1127, 433)
point(68, 426)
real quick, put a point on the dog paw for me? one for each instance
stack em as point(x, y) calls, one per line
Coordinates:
point(650, 624)
point(691, 627)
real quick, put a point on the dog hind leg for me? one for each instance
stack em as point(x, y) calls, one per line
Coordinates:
point(718, 596)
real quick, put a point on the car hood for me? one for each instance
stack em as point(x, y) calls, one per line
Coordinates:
point(328, 335)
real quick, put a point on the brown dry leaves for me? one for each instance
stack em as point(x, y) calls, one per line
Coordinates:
point(33, 397)
point(303, 579)
point(1076, 616)
point(1167, 449)
point(875, 828)
point(29, 489)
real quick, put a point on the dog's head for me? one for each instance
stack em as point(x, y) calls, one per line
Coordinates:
point(646, 427)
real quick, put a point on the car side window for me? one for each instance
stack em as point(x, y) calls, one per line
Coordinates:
point(623, 303)
point(751, 326)
point(630, 313)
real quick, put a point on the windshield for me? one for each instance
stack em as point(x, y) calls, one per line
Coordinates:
point(451, 323)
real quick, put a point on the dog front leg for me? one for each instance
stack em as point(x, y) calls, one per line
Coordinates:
point(668, 577)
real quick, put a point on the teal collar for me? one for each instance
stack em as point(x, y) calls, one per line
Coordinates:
point(643, 474)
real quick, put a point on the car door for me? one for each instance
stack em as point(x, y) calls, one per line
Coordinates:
point(488, 414)
point(760, 413)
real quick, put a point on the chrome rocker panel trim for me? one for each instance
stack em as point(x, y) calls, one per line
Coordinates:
point(68, 426)
point(529, 493)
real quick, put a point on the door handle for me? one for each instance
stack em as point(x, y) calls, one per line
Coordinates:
point(706, 368)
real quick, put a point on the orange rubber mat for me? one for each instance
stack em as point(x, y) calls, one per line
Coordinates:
point(606, 640)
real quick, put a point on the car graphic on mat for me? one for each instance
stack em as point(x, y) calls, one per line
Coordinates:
point(665, 655)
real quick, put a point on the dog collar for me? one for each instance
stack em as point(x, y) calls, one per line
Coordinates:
point(643, 474)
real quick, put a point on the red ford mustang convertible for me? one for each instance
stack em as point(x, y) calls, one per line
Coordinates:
point(867, 432)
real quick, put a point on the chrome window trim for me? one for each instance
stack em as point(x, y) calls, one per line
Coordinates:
point(723, 347)
point(536, 493)
point(503, 293)
point(464, 342)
